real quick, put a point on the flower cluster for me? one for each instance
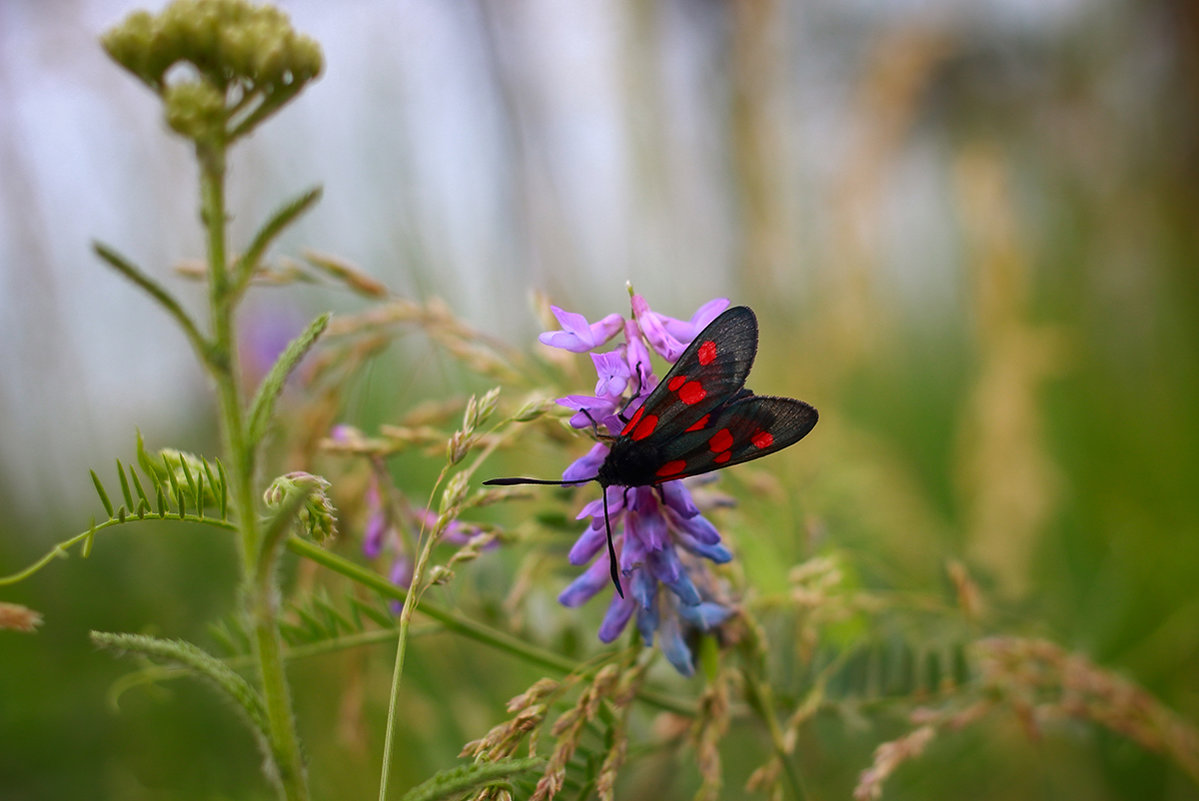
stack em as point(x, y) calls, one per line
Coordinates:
point(245, 62)
point(658, 531)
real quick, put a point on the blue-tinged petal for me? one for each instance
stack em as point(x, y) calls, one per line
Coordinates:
point(616, 618)
point(666, 568)
point(674, 648)
point(589, 542)
point(641, 499)
point(705, 615)
point(596, 508)
point(587, 466)
point(717, 553)
point(678, 499)
point(648, 528)
point(647, 620)
point(588, 583)
point(664, 564)
point(632, 553)
point(698, 527)
point(644, 588)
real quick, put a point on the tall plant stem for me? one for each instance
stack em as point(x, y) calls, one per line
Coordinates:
point(260, 593)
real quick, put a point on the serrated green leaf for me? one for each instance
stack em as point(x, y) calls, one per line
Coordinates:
point(103, 495)
point(380, 616)
point(334, 619)
point(312, 624)
point(270, 230)
point(199, 500)
point(263, 405)
point(453, 782)
point(153, 472)
point(174, 482)
point(217, 489)
point(187, 476)
point(125, 493)
point(224, 500)
point(137, 485)
point(199, 662)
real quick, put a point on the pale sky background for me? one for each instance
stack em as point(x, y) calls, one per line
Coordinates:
point(416, 141)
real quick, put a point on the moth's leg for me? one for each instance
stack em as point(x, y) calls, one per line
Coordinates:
point(595, 429)
point(636, 374)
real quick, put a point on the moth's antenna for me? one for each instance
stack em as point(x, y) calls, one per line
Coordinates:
point(612, 563)
point(505, 482)
point(611, 548)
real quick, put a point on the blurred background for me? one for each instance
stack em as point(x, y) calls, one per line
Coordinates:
point(970, 232)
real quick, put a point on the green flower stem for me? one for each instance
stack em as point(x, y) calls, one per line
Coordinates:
point(62, 549)
point(261, 596)
point(761, 700)
point(468, 628)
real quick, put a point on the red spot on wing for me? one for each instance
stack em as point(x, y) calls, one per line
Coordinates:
point(763, 439)
point(646, 426)
point(722, 440)
point(706, 352)
point(632, 422)
point(700, 423)
point(672, 468)
point(676, 382)
point(723, 457)
point(692, 392)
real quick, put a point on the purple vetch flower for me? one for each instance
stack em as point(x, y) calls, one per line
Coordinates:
point(669, 337)
point(578, 335)
point(383, 534)
point(663, 542)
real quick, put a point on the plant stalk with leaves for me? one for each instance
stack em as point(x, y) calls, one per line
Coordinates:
point(221, 67)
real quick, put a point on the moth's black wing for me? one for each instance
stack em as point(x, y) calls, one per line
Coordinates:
point(748, 428)
point(709, 373)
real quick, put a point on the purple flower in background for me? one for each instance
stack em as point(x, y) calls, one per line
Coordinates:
point(382, 535)
point(662, 541)
point(265, 333)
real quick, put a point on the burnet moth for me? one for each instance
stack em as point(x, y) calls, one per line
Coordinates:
point(698, 419)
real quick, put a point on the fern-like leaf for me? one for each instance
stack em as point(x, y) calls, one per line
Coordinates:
point(103, 494)
point(247, 265)
point(196, 661)
point(453, 782)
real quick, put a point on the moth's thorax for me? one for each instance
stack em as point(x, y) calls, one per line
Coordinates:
point(630, 464)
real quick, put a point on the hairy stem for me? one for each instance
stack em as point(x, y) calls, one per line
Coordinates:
point(260, 590)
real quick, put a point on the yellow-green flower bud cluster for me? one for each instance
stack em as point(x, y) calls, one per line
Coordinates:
point(238, 58)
